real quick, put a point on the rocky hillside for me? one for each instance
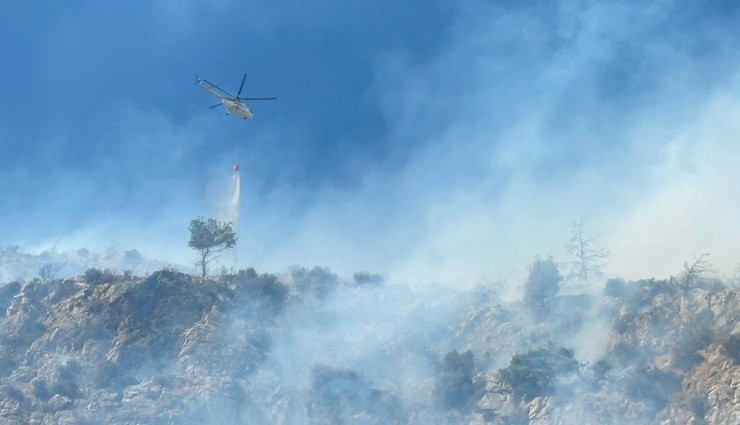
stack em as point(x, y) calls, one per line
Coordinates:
point(308, 348)
point(16, 264)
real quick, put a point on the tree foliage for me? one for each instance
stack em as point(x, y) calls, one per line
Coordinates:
point(454, 386)
point(694, 336)
point(265, 291)
point(318, 281)
point(95, 276)
point(542, 284)
point(652, 385)
point(342, 396)
point(731, 346)
point(210, 237)
point(534, 373)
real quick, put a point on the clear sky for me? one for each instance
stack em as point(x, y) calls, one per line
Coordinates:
point(423, 140)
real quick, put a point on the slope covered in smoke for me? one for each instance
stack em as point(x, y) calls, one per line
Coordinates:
point(309, 347)
point(17, 264)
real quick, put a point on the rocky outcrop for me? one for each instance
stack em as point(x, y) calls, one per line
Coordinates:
point(172, 348)
point(125, 351)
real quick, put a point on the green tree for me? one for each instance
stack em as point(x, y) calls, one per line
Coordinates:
point(536, 372)
point(542, 284)
point(210, 237)
point(454, 386)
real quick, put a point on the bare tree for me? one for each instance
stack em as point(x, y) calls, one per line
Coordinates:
point(697, 270)
point(589, 255)
point(49, 271)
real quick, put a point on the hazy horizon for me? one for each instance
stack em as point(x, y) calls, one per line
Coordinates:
point(421, 142)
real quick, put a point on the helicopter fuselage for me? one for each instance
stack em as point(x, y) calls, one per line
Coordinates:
point(233, 104)
point(237, 108)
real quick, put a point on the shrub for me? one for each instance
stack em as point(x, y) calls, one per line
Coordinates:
point(454, 387)
point(542, 284)
point(653, 385)
point(368, 279)
point(616, 288)
point(133, 257)
point(533, 374)
point(342, 396)
point(249, 273)
point(696, 336)
point(265, 290)
point(95, 276)
point(732, 346)
point(699, 407)
point(318, 281)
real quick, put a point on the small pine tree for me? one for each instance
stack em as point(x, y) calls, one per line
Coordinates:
point(210, 237)
point(542, 284)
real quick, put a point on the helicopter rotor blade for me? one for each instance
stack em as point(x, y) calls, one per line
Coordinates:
point(214, 106)
point(241, 86)
point(258, 98)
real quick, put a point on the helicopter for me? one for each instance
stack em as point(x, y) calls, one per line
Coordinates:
point(233, 104)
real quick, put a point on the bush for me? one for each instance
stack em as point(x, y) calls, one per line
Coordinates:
point(732, 346)
point(640, 294)
point(533, 374)
point(542, 284)
point(696, 336)
point(454, 387)
point(133, 257)
point(265, 290)
point(95, 276)
point(653, 385)
point(341, 396)
point(699, 407)
point(616, 288)
point(7, 292)
point(248, 273)
point(368, 279)
point(318, 281)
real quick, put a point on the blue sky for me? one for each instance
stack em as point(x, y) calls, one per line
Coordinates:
point(419, 140)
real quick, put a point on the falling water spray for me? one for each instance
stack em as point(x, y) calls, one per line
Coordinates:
point(232, 208)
